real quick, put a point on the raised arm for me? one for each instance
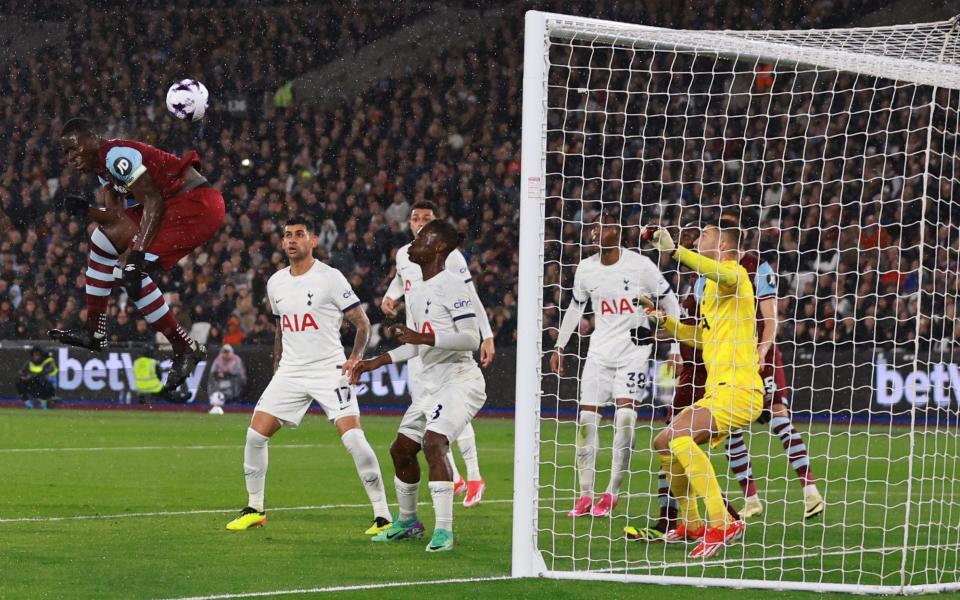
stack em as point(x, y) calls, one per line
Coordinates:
point(726, 274)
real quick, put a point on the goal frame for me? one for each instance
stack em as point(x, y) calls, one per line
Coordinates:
point(527, 560)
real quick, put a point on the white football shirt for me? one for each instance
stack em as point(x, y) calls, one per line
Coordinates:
point(441, 305)
point(310, 310)
point(613, 290)
point(409, 273)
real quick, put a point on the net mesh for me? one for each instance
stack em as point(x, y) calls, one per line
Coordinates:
point(839, 147)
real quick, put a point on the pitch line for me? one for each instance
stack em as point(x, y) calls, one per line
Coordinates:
point(191, 447)
point(203, 511)
point(346, 588)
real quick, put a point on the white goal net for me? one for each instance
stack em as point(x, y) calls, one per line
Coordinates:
point(838, 150)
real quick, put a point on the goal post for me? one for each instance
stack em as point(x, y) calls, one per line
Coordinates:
point(844, 143)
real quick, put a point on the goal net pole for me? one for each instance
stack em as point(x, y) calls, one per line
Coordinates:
point(527, 561)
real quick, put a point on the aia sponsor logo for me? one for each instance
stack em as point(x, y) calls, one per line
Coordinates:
point(298, 322)
point(615, 306)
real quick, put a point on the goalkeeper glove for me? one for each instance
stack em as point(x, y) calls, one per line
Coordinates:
point(77, 204)
point(133, 272)
point(650, 310)
point(660, 239)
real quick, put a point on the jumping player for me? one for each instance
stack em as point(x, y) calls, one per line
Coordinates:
point(310, 300)
point(176, 210)
point(408, 275)
point(444, 336)
point(618, 359)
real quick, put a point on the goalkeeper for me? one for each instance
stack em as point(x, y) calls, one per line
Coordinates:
point(733, 397)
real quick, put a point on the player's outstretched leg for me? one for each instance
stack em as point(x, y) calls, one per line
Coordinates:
point(255, 454)
point(467, 442)
point(101, 278)
point(435, 447)
point(188, 354)
point(796, 450)
point(404, 452)
point(739, 458)
point(588, 422)
point(368, 468)
point(624, 424)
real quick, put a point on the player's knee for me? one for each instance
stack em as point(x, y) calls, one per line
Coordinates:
point(435, 446)
point(402, 453)
point(779, 410)
point(661, 443)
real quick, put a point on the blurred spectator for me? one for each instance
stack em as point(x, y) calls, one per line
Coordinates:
point(37, 378)
point(227, 375)
point(234, 335)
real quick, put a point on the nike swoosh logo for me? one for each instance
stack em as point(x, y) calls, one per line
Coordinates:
point(278, 301)
point(399, 533)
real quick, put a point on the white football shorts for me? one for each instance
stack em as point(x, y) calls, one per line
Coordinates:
point(601, 386)
point(446, 408)
point(290, 394)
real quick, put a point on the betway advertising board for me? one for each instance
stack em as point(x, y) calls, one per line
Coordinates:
point(825, 381)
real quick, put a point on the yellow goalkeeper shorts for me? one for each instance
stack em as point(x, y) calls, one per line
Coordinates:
point(732, 409)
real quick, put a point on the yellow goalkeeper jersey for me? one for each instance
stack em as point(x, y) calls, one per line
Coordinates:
point(726, 331)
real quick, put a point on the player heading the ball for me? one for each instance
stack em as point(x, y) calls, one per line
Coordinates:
point(444, 336)
point(175, 210)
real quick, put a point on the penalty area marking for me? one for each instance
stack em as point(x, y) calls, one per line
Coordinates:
point(346, 588)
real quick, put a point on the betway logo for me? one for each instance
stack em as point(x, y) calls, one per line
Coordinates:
point(115, 373)
point(381, 381)
point(917, 387)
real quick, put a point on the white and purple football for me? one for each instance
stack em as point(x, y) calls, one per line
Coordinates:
point(187, 100)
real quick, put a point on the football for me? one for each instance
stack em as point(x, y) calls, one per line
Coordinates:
point(187, 100)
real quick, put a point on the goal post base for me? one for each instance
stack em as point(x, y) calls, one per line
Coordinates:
point(755, 584)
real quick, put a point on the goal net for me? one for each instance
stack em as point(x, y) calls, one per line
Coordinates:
point(841, 147)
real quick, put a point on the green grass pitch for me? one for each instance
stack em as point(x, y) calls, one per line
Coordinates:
point(153, 491)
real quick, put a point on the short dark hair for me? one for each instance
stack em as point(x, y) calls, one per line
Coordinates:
point(78, 125)
point(425, 205)
point(447, 232)
point(733, 235)
point(609, 215)
point(304, 220)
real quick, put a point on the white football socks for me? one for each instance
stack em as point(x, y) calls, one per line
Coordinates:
point(368, 468)
point(407, 494)
point(468, 450)
point(442, 494)
point(587, 450)
point(453, 466)
point(255, 467)
point(624, 422)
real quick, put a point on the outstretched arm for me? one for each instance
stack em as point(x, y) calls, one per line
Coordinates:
point(724, 273)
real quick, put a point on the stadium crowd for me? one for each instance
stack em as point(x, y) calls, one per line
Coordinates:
point(447, 131)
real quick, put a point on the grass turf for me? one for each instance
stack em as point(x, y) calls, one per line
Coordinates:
point(120, 467)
